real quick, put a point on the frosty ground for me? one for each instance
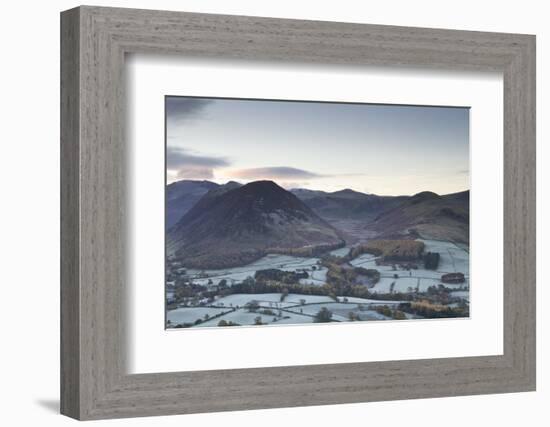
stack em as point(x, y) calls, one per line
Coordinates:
point(273, 308)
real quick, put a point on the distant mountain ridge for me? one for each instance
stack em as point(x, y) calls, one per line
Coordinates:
point(427, 215)
point(182, 196)
point(238, 226)
point(216, 226)
point(347, 203)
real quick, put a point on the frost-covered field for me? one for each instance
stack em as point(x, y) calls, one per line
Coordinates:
point(272, 300)
point(190, 314)
point(239, 300)
point(364, 260)
point(243, 317)
point(340, 311)
point(316, 277)
point(289, 319)
point(298, 308)
point(294, 309)
point(340, 252)
point(453, 259)
point(310, 299)
point(362, 300)
point(238, 274)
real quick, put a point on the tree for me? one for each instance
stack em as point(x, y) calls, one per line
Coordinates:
point(252, 306)
point(228, 323)
point(384, 310)
point(249, 281)
point(323, 316)
point(222, 283)
point(258, 320)
point(398, 315)
point(284, 294)
point(431, 260)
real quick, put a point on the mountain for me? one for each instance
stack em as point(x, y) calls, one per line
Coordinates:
point(182, 196)
point(347, 204)
point(240, 225)
point(427, 215)
point(224, 188)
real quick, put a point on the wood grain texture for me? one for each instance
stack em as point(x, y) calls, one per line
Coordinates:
point(94, 235)
point(70, 292)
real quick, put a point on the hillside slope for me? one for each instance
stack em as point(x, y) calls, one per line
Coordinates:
point(239, 226)
point(182, 196)
point(427, 215)
point(347, 204)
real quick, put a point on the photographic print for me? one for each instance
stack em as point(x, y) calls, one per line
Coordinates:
point(299, 212)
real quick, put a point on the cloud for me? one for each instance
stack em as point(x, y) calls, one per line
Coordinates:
point(195, 173)
point(177, 158)
point(180, 109)
point(276, 172)
point(191, 165)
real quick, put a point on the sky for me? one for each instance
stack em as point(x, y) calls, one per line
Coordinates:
point(371, 148)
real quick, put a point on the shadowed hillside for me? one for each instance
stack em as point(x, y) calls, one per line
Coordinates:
point(182, 196)
point(238, 226)
point(347, 204)
point(427, 215)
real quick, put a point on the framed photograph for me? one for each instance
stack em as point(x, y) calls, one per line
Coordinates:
point(314, 212)
point(289, 230)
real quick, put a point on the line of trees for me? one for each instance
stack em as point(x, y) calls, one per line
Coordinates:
point(308, 251)
point(252, 286)
point(288, 277)
point(323, 316)
point(431, 260)
point(431, 310)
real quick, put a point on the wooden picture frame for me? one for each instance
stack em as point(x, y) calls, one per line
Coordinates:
point(94, 41)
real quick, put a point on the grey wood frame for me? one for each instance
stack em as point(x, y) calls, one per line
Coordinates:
point(94, 41)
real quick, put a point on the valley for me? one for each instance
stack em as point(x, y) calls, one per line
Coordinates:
point(330, 267)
